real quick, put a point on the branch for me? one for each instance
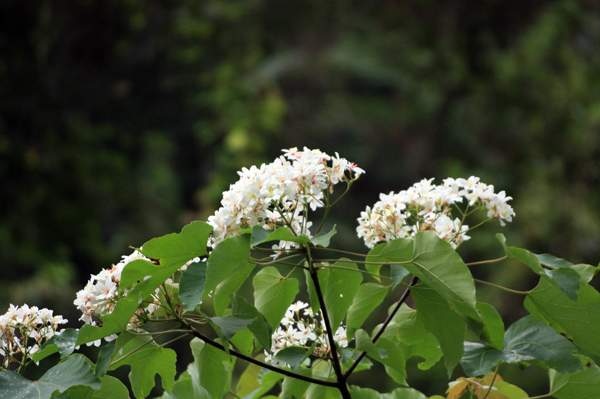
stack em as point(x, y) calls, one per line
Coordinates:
point(341, 379)
point(385, 324)
point(259, 363)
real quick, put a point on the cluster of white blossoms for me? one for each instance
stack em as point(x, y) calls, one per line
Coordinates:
point(23, 329)
point(431, 207)
point(302, 327)
point(281, 193)
point(101, 293)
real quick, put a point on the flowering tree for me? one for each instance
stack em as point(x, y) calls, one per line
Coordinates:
point(261, 290)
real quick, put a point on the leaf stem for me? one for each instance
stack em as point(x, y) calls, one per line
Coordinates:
point(501, 287)
point(487, 393)
point(385, 324)
point(486, 261)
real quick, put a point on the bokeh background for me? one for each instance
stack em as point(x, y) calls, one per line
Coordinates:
point(121, 120)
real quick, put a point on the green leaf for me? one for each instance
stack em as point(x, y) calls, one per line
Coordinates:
point(567, 280)
point(480, 359)
point(104, 357)
point(397, 250)
point(261, 236)
point(321, 369)
point(339, 283)
point(259, 325)
point(405, 337)
point(211, 370)
point(579, 319)
point(528, 339)
point(255, 382)
point(398, 393)
point(110, 387)
point(293, 388)
point(172, 251)
point(273, 294)
point(63, 343)
point(579, 385)
point(227, 326)
point(447, 326)
point(323, 240)
point(227, 268)
point(75, 370)
point(293, 355)
point(243, 340)
point(563, 273)
point(521, 255)
point(145, 359)
point(191, 285)
point(368, 297)
point(493, 325)
point(184, 389)
point(180, 247)
point(438, 266)
point(385, 351)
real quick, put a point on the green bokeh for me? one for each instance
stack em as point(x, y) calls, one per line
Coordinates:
point(122, 120)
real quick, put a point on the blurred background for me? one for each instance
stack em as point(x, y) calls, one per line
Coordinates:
point(121, 120)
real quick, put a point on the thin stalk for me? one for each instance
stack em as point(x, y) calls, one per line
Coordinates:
point(486, 261)
point(337, 368)
point(501, 287)
point(385, 324)
point(487, 393)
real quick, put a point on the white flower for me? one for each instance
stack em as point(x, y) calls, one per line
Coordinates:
point(24, 329)
point(281, 193)
point(101, 293)
point(301, 327)
point(426, 206)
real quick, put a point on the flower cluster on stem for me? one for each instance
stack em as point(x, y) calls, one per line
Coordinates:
point(281, 193)
point(301, 327)
point(23, 330)
point(426, 206)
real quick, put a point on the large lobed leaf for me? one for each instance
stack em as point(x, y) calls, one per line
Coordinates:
point(528, 339)
point(448, 327)
point(579, 319)
point(405, 337)
point(436, 264)
point(145, 360)
point(75, 370)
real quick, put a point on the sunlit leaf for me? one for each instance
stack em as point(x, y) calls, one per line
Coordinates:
point(339, 283)
point(145, 360)
point(368, 297)
point(273, 294)
point(228, 267)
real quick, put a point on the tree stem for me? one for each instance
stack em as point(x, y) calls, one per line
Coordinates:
point(337, 368)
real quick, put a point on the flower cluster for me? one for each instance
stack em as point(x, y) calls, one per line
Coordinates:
point(302, 327)
point(431, 207)
point(101, 293)
point(23, 329)
point(281, 193)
